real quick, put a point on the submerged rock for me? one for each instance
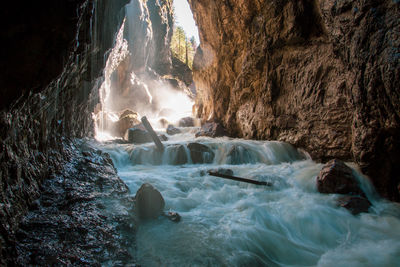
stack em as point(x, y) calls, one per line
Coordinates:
point(172, 130)
point(149, 202)
point(211, 129)
point(186, 122)
point(355, 204)
point(173, 216)
point(178, 155)
point(239, 155)
point(337, 178)
point(200, 153)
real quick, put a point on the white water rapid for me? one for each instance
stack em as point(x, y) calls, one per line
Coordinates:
point(228, 223)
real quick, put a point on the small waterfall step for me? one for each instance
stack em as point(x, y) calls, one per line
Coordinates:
point(218, 151)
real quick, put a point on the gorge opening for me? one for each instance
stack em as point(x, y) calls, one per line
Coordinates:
point(299, 97)
point(148, 72)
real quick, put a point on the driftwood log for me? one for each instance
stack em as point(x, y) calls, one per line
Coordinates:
point(152, 133)
point(239, 179)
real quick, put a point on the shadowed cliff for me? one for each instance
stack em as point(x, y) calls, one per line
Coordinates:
point(322, 75)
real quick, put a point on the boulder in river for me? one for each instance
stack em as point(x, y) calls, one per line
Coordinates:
point(178, 155)
point(186, 122)
point(355, 204)
point(149, 202)
point(211, 129)
point(337, 178)
point(127, 120)
point(138, 136)
point(200, 153)
point(172, 130)
point(238, 154)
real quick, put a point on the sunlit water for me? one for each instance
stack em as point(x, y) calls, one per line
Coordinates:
point(228, 223)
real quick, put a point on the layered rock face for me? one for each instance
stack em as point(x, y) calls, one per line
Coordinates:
point(322, 75)
point(54, 59)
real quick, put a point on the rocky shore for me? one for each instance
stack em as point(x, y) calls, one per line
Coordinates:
point(84, 215)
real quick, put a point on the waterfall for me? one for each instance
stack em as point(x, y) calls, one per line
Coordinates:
point(129, 80)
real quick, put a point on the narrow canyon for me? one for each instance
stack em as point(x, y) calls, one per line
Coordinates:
point(300, 97)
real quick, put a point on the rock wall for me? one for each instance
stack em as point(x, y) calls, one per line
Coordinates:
point(147, 31)
point(322, 75)
point(53, 58)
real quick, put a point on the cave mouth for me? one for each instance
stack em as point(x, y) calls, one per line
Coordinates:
point(148, 71)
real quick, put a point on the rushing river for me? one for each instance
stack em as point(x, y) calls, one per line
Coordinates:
point(228, 223)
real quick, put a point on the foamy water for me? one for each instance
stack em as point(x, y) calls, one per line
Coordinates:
point(228, 223)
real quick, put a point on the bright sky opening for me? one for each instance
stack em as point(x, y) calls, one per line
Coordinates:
point(184, 18)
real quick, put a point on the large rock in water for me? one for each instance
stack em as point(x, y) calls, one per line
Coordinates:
point(127, 120)
point(337, 178)
point(178, 156)
point(172, 130)
point(149, 202)
point(321, 75)
point(138, 136)
point(211, 129)
point(186, 122)
point(200, 153)
point(355, 204)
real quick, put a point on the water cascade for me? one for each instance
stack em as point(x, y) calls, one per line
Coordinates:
point(136, 80)
point(228, 223)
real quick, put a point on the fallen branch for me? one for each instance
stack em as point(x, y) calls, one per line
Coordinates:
point(239, 179)
point(152, 133)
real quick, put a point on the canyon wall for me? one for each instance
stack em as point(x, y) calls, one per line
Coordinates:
point(52, 59)
point(53, 64)
point(321, 75)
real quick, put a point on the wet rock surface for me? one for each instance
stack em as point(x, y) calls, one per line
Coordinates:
point(321, 75)
point(211, 129)
point(337, 178)
point(179, 157)
point(138, 136)
point(172, 130)
point(80, 217)
point(127, 120)
point(238, 154)
point(200, 153)
point(355, 204)
point(186, 122)
point(52, 101)
point(149, 202)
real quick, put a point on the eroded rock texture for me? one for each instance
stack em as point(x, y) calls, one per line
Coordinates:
point(53, 56)
point(84, 216)
point(322, 75)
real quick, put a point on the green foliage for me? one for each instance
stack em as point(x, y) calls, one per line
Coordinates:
point(181, 48)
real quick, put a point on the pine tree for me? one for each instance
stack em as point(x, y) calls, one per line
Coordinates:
point(182, 48)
